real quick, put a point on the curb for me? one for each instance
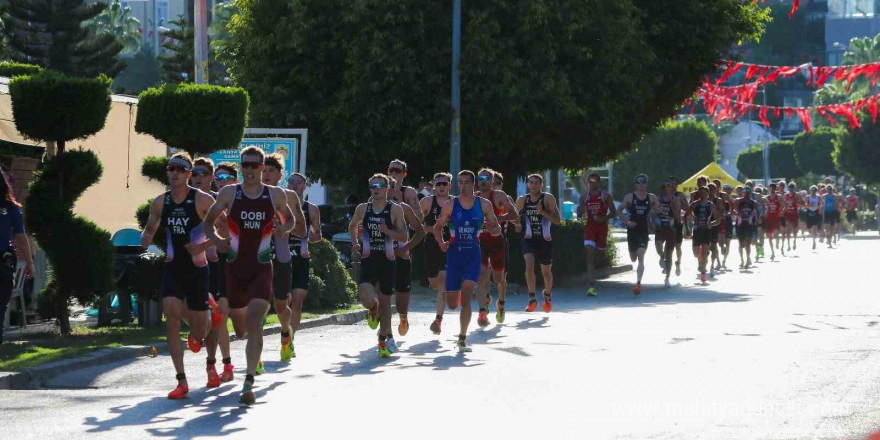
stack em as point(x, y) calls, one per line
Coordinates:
point(37, 377)
point(601, 274)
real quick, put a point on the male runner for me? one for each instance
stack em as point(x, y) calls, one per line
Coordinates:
point(832, 215)
point(226, 174)
point(498, 185)
point(300, 256)
point(746, 219)
point(682, 228)
point(718, 205)
point(640, 204)
point(185, 278)
point(792, 215)
point(758, 232)
point(703, 213)
point(493, 249)
point(726, 225)
point(382, 223)
point(282, 271)
point(665, 236)
point(597, 206)
point(406, 196)
point(403, 263)
point(466, 214)
point(251, 208)
point(852, 205)
point(538, 210)
point(774, 209)
point(815, 205)
point(435, 260)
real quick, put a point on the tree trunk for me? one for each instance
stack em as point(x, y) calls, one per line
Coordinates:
point(63, 312)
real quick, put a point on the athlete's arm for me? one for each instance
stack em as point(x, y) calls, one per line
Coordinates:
point(152, 221)
point(294, 204)
point(416, 225)
point(24, 245)
point(353, 225)
point(398, 231)
point(627, 200)
point(425, 207)
point(223, 202)
point(552, 211)
point(315, 227)
point(489, 216)
point(612, 210)
point(203, 205)
point(511, 213)
point(715, 220)
point(580, 209)
point(676, 210)
point(445, 212)
point(411, 197)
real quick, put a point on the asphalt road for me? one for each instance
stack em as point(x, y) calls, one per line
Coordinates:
point(785, 350)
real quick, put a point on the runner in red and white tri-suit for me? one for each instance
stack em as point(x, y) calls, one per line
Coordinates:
point(598, 207)
point(852, 205)
point(774, 213)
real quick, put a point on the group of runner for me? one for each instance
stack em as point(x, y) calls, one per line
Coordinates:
point(236, 252)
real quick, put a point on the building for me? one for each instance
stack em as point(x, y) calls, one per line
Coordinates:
point(848, 19)
point(742, 136)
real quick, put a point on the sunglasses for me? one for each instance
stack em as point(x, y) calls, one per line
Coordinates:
point(641, 180)
point(198, 172)
point(176, 169)
point(441, 183)
point(378, 185)
point(484, 178)
point(594, 180)
point(250, 165)
point(224, 177)
point(497, 182)
point(394, 170)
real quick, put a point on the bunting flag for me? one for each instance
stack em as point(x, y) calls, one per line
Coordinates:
point(817, 76)
point(794, 6)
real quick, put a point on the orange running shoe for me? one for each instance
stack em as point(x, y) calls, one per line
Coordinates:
point(483, 319)
point(227, 375)
point(638, 289)
point(213, 378)
point(194, 345)
point(435, 326)
point(533, 304)
point(179, 393)
point(547, 304)
point(216, 317)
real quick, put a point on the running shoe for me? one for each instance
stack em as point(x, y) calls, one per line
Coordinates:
point(247, 394)
point(403, 327)
point(591, 291)
point(260, 369)
point(435, 326)
point(213, 377)
point(194, 345)
point(384, 352)
point(179, 393)
point(286, 349)
point(499, 315)
point(703, 277)
point(712, 273)
point(678, 268)
point(638, 290)
point(227, 374)
point(216, 317)
point(392, 346)
point(667, 283)
point(373, 318)
point(462, 346)
point(547, 304)
point(533, 304)
point(483, 319)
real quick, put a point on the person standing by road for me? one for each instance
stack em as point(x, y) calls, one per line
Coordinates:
point(11, 231)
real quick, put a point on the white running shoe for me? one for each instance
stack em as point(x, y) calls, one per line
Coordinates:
point(392, 346)
point(667, 284)
point(677, 269)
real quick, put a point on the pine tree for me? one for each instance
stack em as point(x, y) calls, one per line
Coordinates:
point(178, 63)
point(50, 33)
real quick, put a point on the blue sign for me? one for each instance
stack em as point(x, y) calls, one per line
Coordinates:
point(286, 147)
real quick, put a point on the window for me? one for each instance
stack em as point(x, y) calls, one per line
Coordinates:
point(851, 8)
point(162, 12)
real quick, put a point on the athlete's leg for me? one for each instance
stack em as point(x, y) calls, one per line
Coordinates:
point(239, 321)
point(467, 292)
point(531, 282)
point(367, 296)
point(173, 309)
point(255, 312)
point(219, 336)
point(282, 308)
point(547, 274)
point(384, 314)
point(500, 278)
point(297, 298)
point(640, 255)
point(591, 264)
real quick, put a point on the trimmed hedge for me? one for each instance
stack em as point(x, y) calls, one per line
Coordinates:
point(144, 277)
point(812, 151)
point(198, 118)
point(142, 214)
point(154, 168)
point(330, 284)
point(10, 69)
point(782, 162)
point(49, 106)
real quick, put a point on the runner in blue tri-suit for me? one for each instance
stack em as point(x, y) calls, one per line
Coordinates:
point(466, 220)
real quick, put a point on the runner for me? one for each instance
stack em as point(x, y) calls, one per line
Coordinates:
point(435, 260)
point(726, 227)
point(226, 174)
point(775, 206)
point(538, 210)
point(467, 214)
point(300, 256)
point(703, 213)
point(282, 255)
point(665, 237)
point(640, 204)
point(597, 206)
point(251, 209)
point(815, 206)
point(746, 213)
point(718, 206)
point(381, 223)
point(831, 214)
point(758, 235)
point(792, 215)
point(493, 249)
point(780, 192)
point(185, 278)
point(498, 185)
point(408, 199)
point(682, 228)
point(402, 262)
point(852, 206)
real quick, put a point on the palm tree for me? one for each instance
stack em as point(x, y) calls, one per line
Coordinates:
point(861, 51)
point(118, 21)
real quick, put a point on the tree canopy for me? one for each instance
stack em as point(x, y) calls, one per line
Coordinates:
point(856, 152)
point(812, 152)
point(545, 84)
point(782, 163)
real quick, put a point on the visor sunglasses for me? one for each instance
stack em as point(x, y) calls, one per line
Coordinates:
point(199, 172)
point(223, 177)
point(176, 168)
point(441, 183)
point(641, 180)
point(378, 185)
point(484, 178)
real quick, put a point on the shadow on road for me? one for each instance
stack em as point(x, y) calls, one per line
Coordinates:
point(220, 407)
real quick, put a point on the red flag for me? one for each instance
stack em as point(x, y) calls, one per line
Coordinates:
point(751, 71)
point(804, 113)
point(812, 75)
point(824, 73)
point(789, 112)
point(794, 8)
point(872, 108)
point(763, 115)
point(776, 112)
point(841, 73)
point(823, 112)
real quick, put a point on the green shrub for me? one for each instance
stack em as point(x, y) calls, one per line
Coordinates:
point(330, 285)
point(49, 106)
point(10, 69)
point(154, 168)
point(856, 152)
point(782, 163)
point(142, 215)
point(198, 118)
point(812, 151)
point(144, 277)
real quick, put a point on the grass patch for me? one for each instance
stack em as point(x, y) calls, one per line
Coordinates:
point(41, 348)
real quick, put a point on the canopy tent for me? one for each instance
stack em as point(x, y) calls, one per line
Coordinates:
point(713, 171)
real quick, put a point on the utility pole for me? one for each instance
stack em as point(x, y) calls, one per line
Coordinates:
point(201, 41)
point(455, 127)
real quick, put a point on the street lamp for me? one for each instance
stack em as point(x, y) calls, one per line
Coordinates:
point(455, 127)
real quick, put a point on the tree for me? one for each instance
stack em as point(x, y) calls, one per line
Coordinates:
point(9, 70)
point(812, 152)
point(856, 152)
point(545, 84)
point(51, 107)
point(178, 64)
point(860, 51)
point(782, 163)
point(51, 34)
point(788, 41)
point(676, 148)
point(117, 20)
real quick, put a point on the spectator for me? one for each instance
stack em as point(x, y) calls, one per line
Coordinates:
point(424, 188)
point(11, 229)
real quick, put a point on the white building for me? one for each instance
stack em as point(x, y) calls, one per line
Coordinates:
point(742, 136)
